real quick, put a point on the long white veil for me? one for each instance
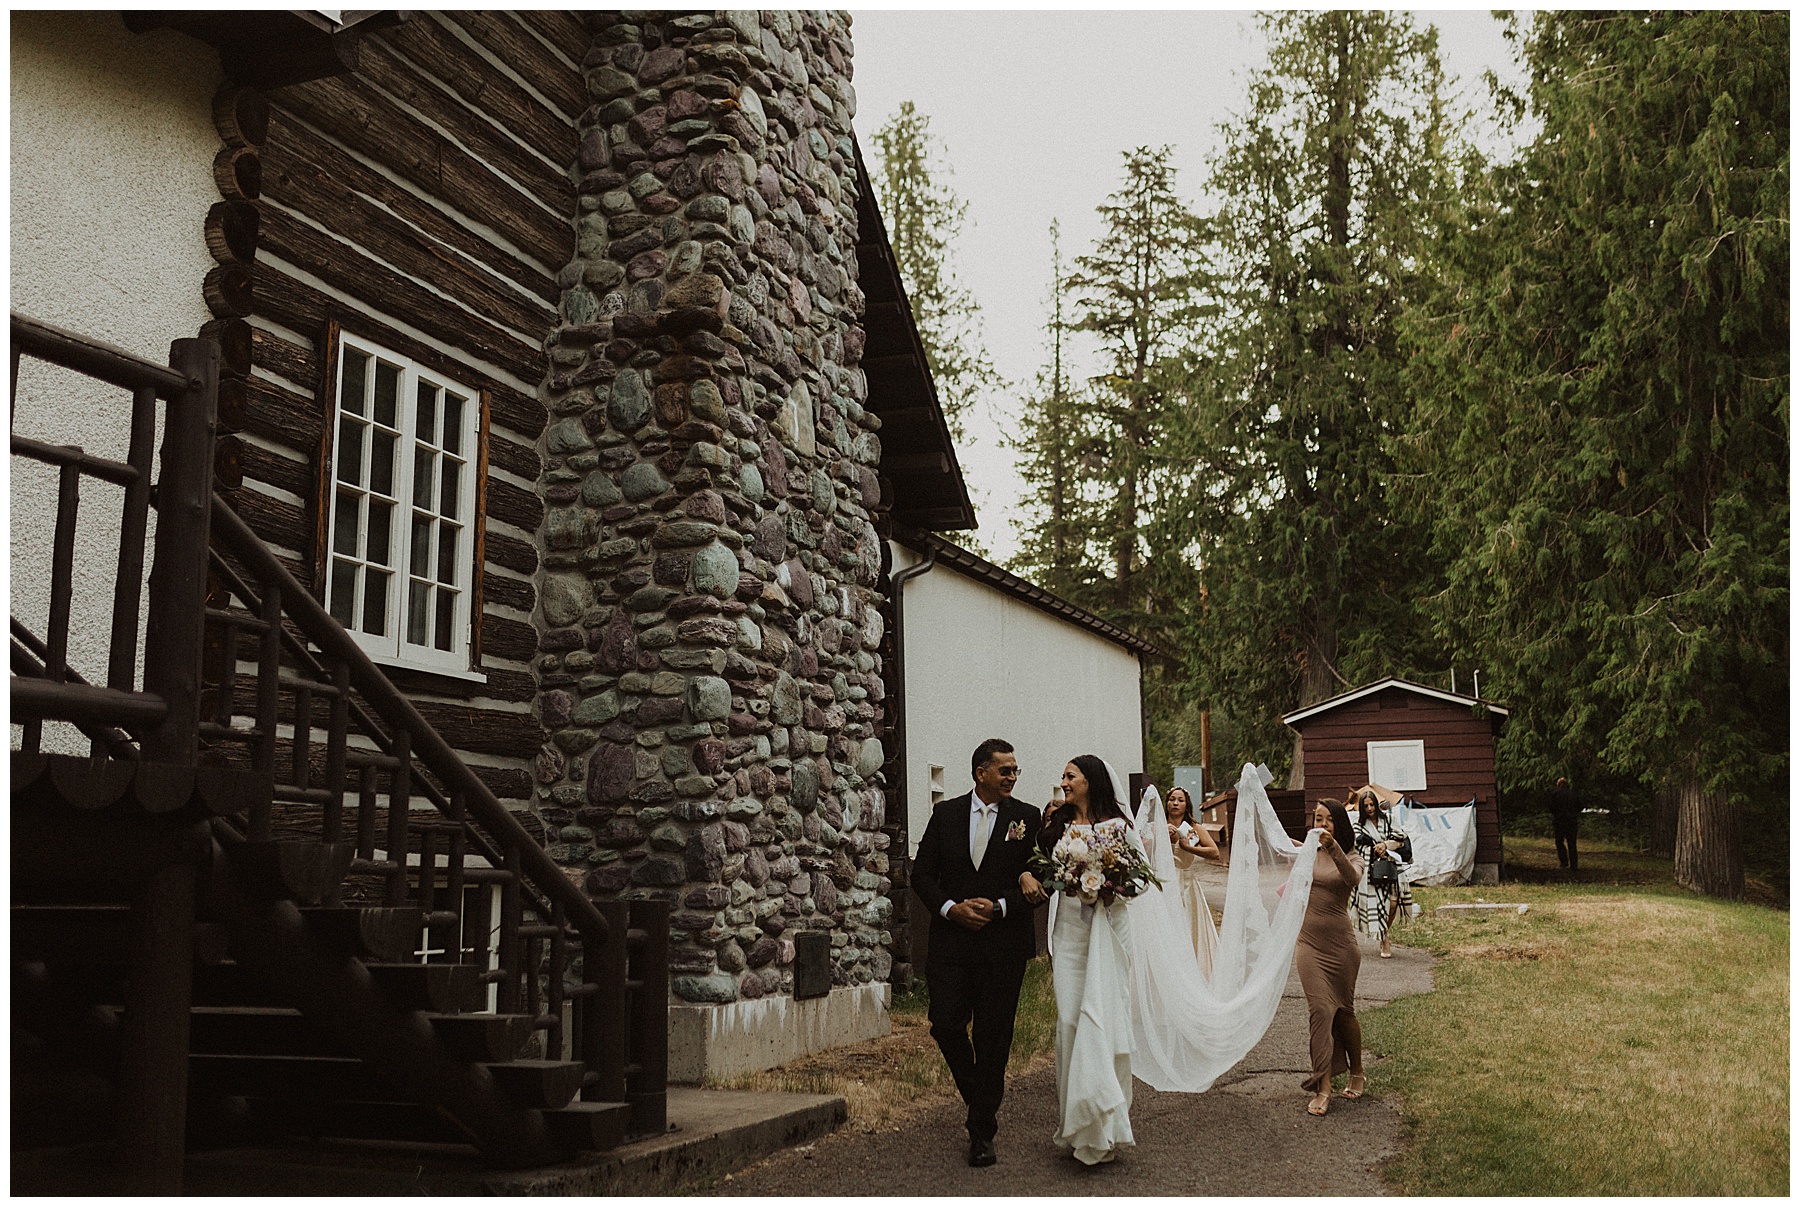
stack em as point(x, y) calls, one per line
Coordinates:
point(1190, 1028)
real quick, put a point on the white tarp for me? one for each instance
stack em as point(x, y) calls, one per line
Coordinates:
point(1443, 841)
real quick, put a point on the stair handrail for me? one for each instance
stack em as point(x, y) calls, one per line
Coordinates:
point(97, 358)
point(165, 710)
point(428, 745)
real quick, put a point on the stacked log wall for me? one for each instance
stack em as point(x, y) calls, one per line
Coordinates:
point(425, 203)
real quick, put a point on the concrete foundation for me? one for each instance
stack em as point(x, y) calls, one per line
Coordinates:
point(1486, 873)
point(711, 1133)
point(715, 1043)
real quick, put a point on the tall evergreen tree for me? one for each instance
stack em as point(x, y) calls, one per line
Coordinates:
point(924, 218)
point(1331, 179)
point(1604, 395)
point(1055, 443)
point(1141, 292)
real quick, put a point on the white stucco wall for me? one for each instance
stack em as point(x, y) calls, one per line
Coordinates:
point(111, 178)
point(980, 664)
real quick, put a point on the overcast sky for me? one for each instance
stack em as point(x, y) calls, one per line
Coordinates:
point(1035, 110)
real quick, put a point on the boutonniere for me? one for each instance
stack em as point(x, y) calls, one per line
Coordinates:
point(1015, 831)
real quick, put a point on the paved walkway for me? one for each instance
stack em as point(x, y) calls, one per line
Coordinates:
point(1248, 1135)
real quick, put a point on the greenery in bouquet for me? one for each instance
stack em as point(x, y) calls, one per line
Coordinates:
point(1101, 863)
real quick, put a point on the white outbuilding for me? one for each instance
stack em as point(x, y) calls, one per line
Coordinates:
point(985, 653)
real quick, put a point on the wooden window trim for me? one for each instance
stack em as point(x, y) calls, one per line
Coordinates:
point(335, 328)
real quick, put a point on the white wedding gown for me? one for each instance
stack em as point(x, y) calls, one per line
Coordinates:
point(1090, 964)
point(1131, 996)
point(1192, 1023)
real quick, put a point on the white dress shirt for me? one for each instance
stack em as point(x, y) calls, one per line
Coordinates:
point(976, 805)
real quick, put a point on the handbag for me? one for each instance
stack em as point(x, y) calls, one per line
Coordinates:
point(1384, 871)
point(1399, 842)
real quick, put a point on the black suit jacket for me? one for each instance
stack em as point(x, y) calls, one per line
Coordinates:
point(942, 871)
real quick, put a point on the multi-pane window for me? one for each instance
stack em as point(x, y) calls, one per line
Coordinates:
point(401, 530)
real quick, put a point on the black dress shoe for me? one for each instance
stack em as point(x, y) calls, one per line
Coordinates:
point(981, 1153)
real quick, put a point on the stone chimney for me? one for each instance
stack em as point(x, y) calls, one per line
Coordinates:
point(711, 570)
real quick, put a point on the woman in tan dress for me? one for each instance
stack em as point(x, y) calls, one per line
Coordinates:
point(1327, 960)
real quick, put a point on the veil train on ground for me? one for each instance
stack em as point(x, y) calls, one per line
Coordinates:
point(1190, 1028)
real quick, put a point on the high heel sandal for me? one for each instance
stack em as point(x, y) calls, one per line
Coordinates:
point(1320, 1104)
point(1355, 1086)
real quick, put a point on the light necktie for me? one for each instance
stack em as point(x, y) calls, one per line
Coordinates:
point(984, 826)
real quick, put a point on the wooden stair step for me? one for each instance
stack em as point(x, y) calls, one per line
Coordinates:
point(253, 1031)
point(483, 1038)
point(377, 932)
point(442, 988)
point(302, 1078)
point(230, 984)
point(402, 1122)
point(578, 1127)
point(590, 1126)
point(305, 870)
point(539, 1084)
point(93, 934)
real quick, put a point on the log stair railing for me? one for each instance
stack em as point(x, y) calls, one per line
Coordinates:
point(271, 900)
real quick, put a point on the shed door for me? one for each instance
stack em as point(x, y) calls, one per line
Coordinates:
point(1398, 765)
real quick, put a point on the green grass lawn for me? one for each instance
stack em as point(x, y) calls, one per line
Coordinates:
point(1622, 1037)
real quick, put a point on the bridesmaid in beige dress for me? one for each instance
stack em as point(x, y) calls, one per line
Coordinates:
point(1191, 844)
point(1328, 960)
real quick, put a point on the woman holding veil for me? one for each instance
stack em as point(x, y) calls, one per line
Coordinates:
point(1090, 961)
point(1189, 1024)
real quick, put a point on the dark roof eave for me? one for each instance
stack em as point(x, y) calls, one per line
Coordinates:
point(1006, 582)
point(932, 494)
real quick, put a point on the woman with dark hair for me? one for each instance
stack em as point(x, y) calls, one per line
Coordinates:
point(1383, 894)
point(1090, 963)
point(1189, 843)
point(1327, 959)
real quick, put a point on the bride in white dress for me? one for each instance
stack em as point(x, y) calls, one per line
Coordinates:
point(1090, 963)
point(1131, 997)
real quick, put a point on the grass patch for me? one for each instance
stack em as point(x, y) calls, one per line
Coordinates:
point(887, 1080)
point(1622, 1037)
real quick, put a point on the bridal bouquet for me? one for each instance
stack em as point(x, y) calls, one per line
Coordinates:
point(1087, 866)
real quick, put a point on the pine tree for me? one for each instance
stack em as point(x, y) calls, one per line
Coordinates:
point(1056, 445)
point(924, 218)
point(1332, 179)
point(1603, 389)
point(1141, 291)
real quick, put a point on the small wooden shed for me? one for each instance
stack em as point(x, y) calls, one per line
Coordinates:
point(1434, 745)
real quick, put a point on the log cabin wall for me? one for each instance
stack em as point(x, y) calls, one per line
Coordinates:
point(1459, 754)
point(423, 203)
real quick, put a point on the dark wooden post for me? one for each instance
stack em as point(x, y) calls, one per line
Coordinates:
point(603, 1021)
point(177, 618)
point(153, 1036)
point(1206, 775)
point(649, 1089)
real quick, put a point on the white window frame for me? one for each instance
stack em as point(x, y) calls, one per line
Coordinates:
point(1381, 759)
point(357, 485)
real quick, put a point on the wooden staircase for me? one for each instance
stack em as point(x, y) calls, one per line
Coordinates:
point(270, 901)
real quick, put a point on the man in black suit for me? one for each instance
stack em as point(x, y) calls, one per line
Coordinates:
point(967, 873)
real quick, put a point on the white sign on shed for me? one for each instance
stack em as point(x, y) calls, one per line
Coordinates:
point(1398, 765)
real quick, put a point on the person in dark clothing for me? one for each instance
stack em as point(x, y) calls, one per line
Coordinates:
point(970, 873)
point(1565, 818)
